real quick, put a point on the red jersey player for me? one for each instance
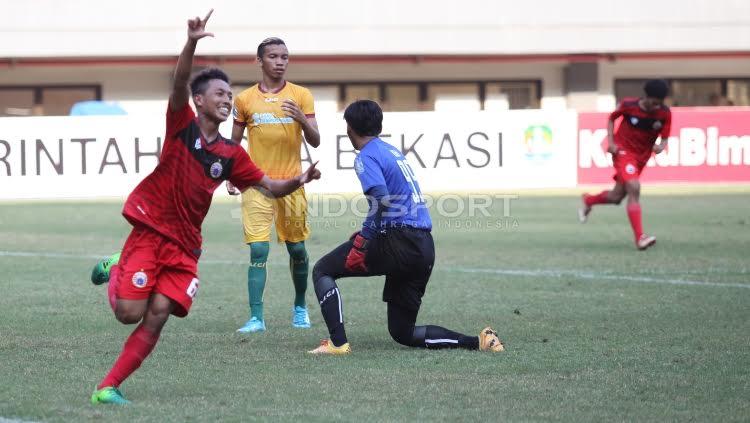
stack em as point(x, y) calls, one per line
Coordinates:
point(643, 121)
point(157, 271)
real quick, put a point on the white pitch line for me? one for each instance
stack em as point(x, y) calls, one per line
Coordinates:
point(554, 273)
point(7, 420)
point(595, 276)
point(42, 254)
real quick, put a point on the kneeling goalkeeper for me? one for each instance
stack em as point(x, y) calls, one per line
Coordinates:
point(394, 241)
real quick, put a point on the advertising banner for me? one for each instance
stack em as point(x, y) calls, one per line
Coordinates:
point(708, 145)
point(91, 157)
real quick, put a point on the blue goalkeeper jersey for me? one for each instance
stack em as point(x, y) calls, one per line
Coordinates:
point(381, 164)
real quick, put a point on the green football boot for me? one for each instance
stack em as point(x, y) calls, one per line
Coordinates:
point(100, 273)
point(108, 395)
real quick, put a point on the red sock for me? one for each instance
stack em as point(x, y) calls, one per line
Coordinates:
point(634, 214)
point(600, 198)
point(114, 283)
point(138, 346)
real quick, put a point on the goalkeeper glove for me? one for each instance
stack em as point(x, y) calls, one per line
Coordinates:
point(355, 260)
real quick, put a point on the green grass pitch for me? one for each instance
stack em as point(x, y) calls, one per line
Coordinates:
point(594, 330)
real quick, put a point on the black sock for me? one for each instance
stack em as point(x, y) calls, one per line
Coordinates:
point(435, 337)
point(402, 329)
point(331, 307)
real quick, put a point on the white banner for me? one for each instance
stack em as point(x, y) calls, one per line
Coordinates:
point(89, 157)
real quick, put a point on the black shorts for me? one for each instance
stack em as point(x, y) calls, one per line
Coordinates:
point(404, 255)
point(409, 255)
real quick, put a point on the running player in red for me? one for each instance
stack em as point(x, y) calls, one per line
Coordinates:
point(157, 270)
point(643, 121)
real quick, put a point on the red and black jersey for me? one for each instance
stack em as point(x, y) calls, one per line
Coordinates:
point(639, 129)
point(174, 199)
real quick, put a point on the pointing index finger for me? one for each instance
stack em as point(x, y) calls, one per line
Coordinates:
point(208, 15)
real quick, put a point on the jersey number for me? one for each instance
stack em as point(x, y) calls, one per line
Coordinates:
point(193, 288)
point(416, 195)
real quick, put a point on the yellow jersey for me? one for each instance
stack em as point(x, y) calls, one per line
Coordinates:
point(274, 139)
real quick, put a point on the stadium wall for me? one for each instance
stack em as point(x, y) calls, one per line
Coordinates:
point(90, 28)
point(128, 49)
point(142, 88)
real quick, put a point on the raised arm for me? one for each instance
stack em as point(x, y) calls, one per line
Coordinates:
point(310, 129)
point(180, 92)
point(309, 124)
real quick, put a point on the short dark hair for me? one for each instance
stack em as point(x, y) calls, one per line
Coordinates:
point(270, 41)
point(365, 117)
point(200, 81)
point(657, 88)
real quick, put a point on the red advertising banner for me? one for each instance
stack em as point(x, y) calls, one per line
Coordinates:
point(706, 145)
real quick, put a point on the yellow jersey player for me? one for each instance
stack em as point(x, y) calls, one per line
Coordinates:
point(276, 114)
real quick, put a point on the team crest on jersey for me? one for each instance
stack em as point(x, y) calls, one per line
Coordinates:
point(634, 120)
point(657, 125)
point(216, 169)
point(198, 143)
point(140, 279)
point(629, 169)
point(359, 167)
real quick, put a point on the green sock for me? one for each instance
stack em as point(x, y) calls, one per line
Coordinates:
point(298, 266)
point(256, 277)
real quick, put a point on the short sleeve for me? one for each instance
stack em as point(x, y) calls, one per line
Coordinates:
point(368, 171)
point(238, 112)
point(307, 104)
point(177, 121)
point(244, 172)
point(667, 128)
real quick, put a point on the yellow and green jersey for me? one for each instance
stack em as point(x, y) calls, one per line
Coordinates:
point(274, 139)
